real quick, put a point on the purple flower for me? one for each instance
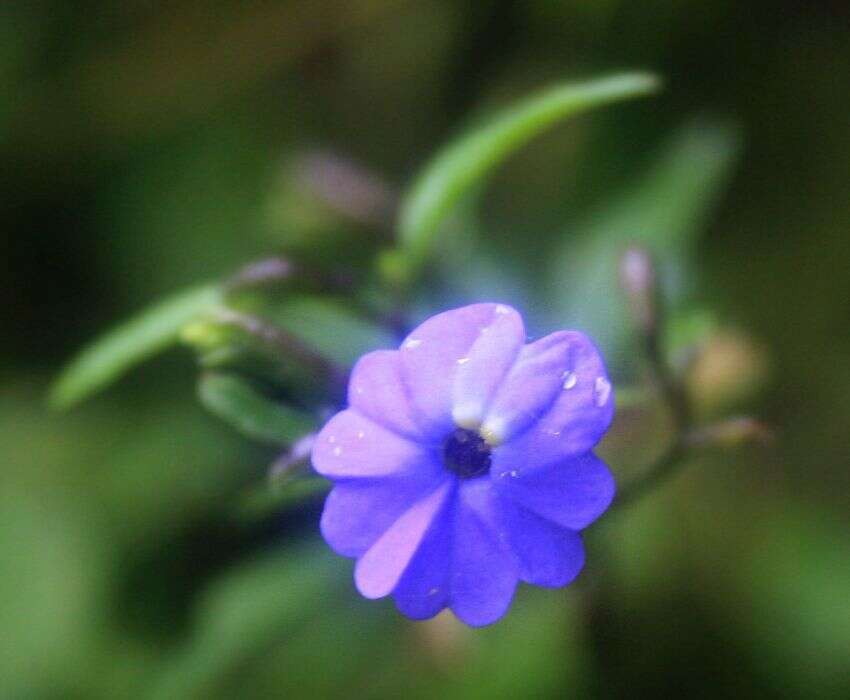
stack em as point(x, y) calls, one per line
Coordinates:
point(463, 463)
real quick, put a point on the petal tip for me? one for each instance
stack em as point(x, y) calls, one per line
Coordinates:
point(369, 585)
point(483, 618)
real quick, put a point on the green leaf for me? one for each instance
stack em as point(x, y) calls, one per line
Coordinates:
point(466, 162)
point(665, 210)
point(238, 403)
point(806, 592)
point(330, 327)
point(258, 605)
point(135, 340)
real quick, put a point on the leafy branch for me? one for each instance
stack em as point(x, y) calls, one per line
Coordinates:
point(638, 278)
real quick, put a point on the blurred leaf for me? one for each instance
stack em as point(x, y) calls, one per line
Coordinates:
point(129, 344)
point(330, 327)
point(249, 345)
point(797, 579)
point(240, 404)
point(257, 604)
point(53, 567)
point(369, 646)
point(356, 643)
point(466, 161)
point(470, 267)
point(665, 211)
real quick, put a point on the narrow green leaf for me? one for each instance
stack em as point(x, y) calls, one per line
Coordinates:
point(135, 340)
point(467, 161)
point(237, 402)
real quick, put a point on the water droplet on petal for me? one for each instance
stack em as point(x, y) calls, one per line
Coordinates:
point(570, 379)
point(602, 390)
point(463, 360)
point(337, 451)
point(413, 343)
point(502, 309)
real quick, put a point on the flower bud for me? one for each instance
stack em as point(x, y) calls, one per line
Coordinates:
point(638, 280)
point(732, 433)
point(727, 371)
point(345, 187)
point(319, 195)
point(288, 464)
point(262, 272)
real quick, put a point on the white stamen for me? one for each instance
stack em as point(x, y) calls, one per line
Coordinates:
point(468, 416)
point(494, 431)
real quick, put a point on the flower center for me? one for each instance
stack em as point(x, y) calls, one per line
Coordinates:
point(466, 454)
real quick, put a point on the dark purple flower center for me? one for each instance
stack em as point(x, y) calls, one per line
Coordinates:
point(466, 454)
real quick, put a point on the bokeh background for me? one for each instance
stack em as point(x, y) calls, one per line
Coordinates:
point(150, 145)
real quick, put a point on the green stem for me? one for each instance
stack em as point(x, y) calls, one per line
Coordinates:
point(639, 281)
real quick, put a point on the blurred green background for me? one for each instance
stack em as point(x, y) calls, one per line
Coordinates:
point(150, 145)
